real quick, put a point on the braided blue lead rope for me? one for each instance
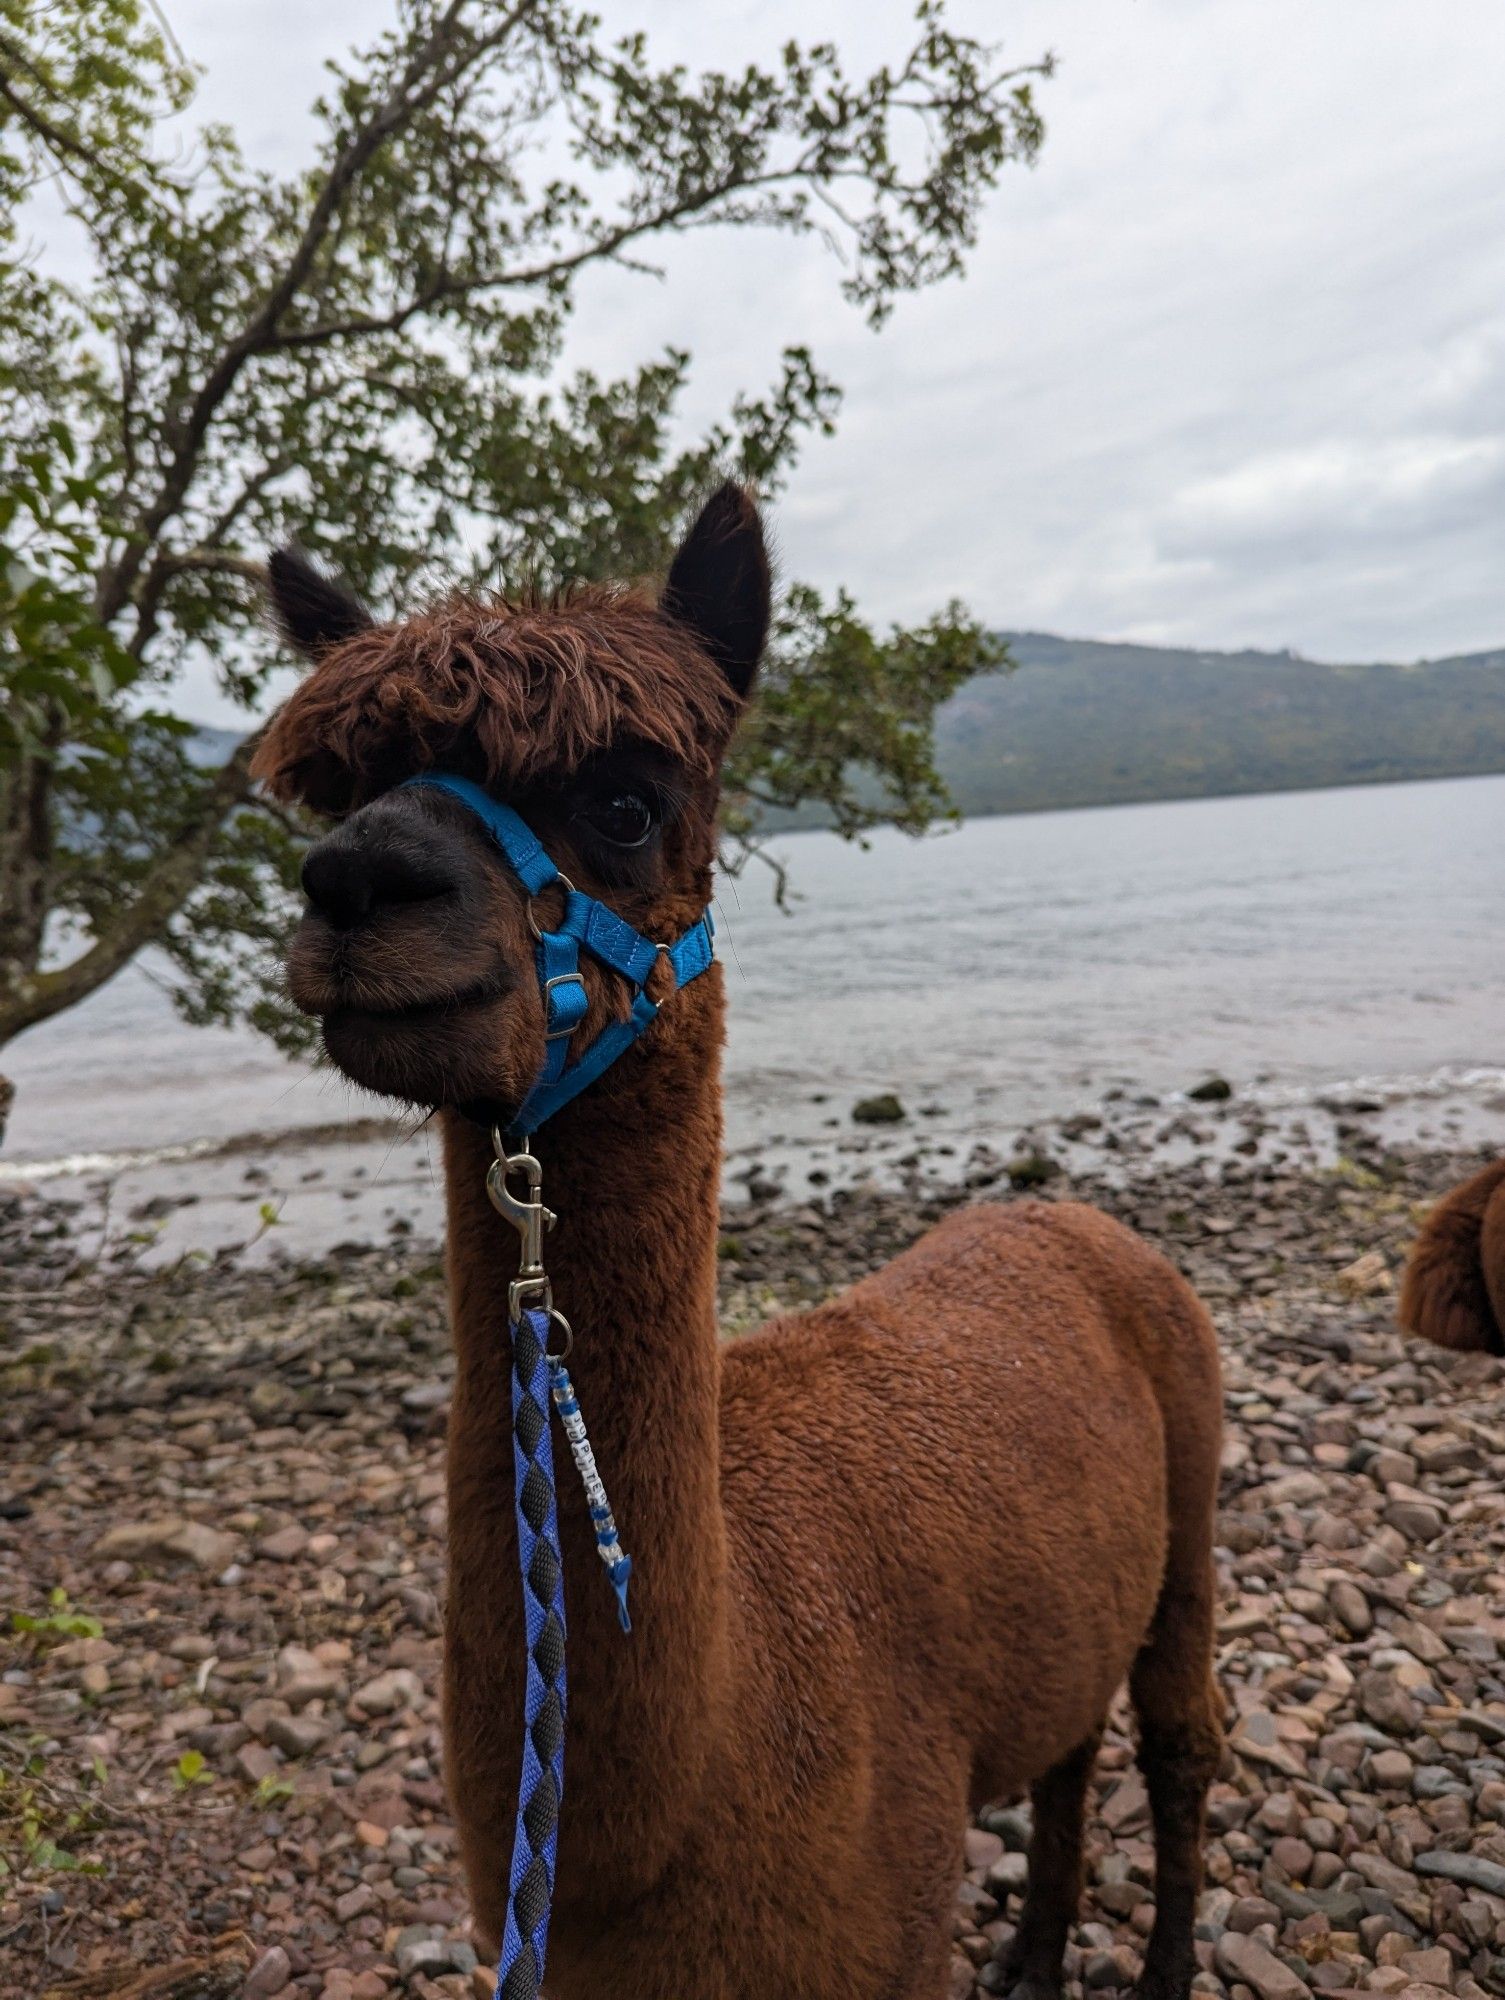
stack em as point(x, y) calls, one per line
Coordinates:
point(535, 1842)
point(539, 1378)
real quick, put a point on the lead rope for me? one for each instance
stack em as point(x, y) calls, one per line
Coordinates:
point(540, 1378)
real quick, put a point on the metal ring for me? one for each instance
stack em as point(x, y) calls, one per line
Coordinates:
point(557, 1318)
point(569, 889)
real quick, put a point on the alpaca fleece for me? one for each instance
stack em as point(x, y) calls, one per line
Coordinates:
point(893, 1556)
point(1453, 1291)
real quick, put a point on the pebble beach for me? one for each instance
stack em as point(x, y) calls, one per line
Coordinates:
point(222, 1525)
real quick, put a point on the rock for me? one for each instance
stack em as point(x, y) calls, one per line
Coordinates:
point(1255, 1736)
point(1351, 1607)
point(1366, 1276)
point(1294, 1855)
point(885, 1109)
point(1386, 1703)
point(1249, 1913)
point(1215, 1090)
point(1009, 1874)
point(1027, 1170)
point(302, 1677)
point(285, 1546)
point(398, 1688)
point(1470, 1869)
point(169, 1540)
point(1417, 1520)
point(355, 1902)
point(1392, 1769)
point(268, 1975)
point(1247, 1961)
point(421, 1955)
point(981, 1849)
point(255, 1761)
point(296, 1735)
point(1433, 1967)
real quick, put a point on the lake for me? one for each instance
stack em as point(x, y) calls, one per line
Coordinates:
point(997, 974)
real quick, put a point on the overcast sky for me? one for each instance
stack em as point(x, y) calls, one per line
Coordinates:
point(1228, 367)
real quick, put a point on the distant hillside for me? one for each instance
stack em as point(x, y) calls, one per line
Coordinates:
point(1086, 723)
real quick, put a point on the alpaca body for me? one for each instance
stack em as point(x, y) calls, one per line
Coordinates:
point(891, 1557)
point(940, 1536)
point(1453, 1291)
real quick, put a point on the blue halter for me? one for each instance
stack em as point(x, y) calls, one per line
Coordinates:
point(586, 924)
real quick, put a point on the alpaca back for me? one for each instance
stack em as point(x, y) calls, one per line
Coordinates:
point(1453, 1291)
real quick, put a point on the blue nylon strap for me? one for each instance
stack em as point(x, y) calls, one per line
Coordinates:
point(517, 840)
point(587, 925)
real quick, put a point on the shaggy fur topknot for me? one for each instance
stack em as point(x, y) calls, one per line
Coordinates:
point(500, 691)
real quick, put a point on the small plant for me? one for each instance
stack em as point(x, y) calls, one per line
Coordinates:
point(37, 1816)
point(272, 1791)
point(190, 1770)
point(57, 1622)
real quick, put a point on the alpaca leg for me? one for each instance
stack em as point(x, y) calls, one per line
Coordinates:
point(1055, 1875)
point(1180, 1747)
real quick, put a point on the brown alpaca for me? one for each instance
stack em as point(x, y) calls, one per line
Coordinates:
point(893, 1556)
point(1454, 1288)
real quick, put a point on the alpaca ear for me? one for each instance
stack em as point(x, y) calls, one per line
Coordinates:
point(312, 611)
point(720, 584)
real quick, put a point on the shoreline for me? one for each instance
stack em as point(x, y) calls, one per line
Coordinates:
point(303, 1191)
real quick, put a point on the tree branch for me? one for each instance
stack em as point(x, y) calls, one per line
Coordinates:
point(425, 76)
point(174, 875)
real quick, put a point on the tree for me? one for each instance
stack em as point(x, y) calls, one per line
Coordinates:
point(366, 356)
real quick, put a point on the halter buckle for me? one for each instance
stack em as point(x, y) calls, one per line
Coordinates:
point(560, 979)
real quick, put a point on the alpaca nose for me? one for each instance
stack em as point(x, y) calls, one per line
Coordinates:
point(366, 866)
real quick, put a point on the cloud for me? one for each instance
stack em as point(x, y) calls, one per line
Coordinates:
point(1228, 368)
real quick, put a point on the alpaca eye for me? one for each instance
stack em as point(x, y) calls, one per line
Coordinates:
point(624, 818)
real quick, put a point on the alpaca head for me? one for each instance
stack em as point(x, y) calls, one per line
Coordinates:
point(601, 717)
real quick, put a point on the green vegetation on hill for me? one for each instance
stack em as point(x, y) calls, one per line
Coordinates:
point(1085, 723)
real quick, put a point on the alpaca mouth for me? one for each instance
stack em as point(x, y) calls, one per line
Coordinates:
point(432, 1051)
point(362, 1018)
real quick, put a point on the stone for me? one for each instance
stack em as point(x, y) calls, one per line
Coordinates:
point(884, 1109)
point(1293, 1855)
point(1433, 1967)
point(1366, 1276)
point(1009, 1874)
point(1256, 1737)
point(1417, 1520)
point(1386, 1703)
point(1351, 1607)
point(1392, 1770)
point(398, 1687)
point(268, 1975)
point(256, 1761)
point(1245, 1960)
point(168, 1540)
point(1213, 1090)
point(1470, 1869)
point(421, 1955)
point(295, 1735)
point(285, 1546)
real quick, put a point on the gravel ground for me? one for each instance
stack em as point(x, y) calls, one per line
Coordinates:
point(219, 1752)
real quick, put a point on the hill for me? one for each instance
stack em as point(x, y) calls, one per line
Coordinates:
point(1082, 722)
point(1085, 722)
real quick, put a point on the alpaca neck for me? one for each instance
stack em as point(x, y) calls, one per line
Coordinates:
point(632, 1170)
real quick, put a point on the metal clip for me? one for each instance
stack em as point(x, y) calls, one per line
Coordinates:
point(529, 1218)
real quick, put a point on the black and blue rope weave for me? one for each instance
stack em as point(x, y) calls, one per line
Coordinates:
point(530, 1890)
